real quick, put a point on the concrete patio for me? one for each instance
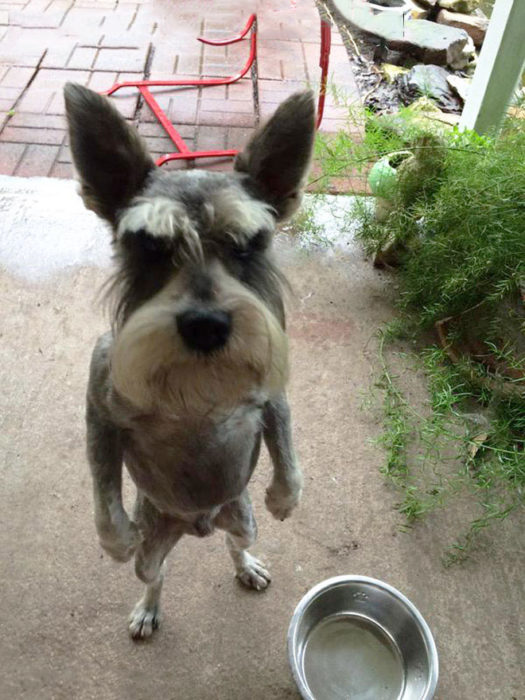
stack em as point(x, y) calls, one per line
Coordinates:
point(63, 603)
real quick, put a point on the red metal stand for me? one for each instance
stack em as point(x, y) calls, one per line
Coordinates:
point(324, 59)
point(183, 152)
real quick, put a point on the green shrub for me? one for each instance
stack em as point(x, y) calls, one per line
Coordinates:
point(457, 215)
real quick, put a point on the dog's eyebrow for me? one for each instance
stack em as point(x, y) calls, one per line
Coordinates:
point(164, 218)
point(236, 215)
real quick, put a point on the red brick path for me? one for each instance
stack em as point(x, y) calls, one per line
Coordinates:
point(44, 43)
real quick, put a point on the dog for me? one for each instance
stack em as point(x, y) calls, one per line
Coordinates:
point(192, 375)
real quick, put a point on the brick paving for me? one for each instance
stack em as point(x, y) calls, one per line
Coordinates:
point(44, 43)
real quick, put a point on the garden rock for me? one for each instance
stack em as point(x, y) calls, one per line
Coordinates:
point(476, 27)
point(418, 11)
point(391, 72)
point(430, 81)
point(426, 41)
point(466, 6)
point(478, 12)
point(387, 3)
point(403, 7)
point(434, 43)
point(459, 85)
point(392, 252)
point(382, 54)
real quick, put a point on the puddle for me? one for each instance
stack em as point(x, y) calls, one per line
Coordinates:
point(324, 224)
point(46, 228)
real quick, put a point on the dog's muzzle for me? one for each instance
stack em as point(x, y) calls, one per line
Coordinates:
point(204, 330)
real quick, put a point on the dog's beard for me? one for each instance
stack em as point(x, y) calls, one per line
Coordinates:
point(154, 371)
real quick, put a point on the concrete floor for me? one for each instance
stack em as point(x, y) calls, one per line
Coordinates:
point(64, 604)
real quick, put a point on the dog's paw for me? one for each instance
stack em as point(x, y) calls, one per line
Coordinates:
point(252, 573)
point(120, 540)
point(143, 621)
point(281, 499)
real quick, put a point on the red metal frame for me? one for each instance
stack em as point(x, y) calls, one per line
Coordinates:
point(324, 59)
point(184, 153)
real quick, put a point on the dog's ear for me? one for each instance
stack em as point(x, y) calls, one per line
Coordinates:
point(278, 155)
point(109, 155)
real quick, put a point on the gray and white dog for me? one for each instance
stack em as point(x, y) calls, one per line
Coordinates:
point(193, 372)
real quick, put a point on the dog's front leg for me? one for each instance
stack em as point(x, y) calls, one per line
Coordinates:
point(118, 535)
point(284, 492)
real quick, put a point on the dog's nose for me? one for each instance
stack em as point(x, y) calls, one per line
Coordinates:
point(204, 331)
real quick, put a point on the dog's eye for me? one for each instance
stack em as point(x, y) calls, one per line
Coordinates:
point(143, 241)
point(241, 252)
point(255, 244)
point(260, 241)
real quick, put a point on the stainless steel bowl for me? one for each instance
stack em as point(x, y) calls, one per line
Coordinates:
point(357, 638)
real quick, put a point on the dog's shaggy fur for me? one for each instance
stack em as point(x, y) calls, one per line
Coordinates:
point(193, 372)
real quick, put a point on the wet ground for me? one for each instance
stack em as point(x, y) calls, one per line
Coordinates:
point(64, 605)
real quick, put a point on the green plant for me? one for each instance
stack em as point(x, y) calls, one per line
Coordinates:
point(458, 215)
point(452, 443)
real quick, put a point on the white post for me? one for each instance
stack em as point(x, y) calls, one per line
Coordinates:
point(499, 68)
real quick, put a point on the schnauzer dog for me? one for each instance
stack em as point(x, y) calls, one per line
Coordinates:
point(193, 373)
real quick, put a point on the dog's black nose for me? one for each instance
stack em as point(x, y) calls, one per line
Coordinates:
point(204, 331)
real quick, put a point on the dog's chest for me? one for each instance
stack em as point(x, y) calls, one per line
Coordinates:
point(189, 465)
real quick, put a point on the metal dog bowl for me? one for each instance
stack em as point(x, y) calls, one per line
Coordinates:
point(356, 638)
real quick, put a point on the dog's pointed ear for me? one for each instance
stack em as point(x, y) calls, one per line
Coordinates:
point(278, 156)
point(109, 155)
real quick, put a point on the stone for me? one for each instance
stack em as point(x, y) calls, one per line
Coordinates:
point(382, 54)
point(402, 7)
point(426, 41)
point(424, 105)
point(387, 3)
point(459, 85)
point(424, 113)
point(476, 27)
point(431, 82)
point(390, 72)
point(392, 252)
point(428, 116)
point(417, 11)
point(517, 113)
point(466, 6)
point(478, 12)
point(434, 43)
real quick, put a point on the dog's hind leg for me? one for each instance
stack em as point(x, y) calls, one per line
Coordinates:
point(160, 534)
point(237, 519)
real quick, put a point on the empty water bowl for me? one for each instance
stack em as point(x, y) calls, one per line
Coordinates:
point(357, 638)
